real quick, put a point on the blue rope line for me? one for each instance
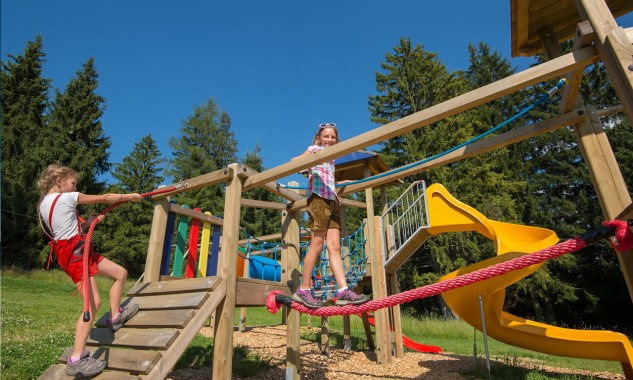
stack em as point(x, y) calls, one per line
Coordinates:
point(538, 101)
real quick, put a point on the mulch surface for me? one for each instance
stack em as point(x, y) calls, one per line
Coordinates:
point(269, 343)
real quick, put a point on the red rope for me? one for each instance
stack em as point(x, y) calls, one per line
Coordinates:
point(498, 269)
point(85, 283)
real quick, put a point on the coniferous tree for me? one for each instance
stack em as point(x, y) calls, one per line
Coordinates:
point(80, 141)
point(255, 221)
point(24, 101)
point(206, 144)
point(124, 236)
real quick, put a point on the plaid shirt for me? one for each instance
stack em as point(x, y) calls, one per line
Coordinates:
point(321, 178)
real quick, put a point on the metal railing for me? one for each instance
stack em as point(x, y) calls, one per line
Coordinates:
point(406, 216)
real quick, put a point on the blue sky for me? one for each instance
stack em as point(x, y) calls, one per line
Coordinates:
point(276, 67)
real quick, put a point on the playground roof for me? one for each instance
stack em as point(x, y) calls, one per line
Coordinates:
point(351, 166)
point(530, 17)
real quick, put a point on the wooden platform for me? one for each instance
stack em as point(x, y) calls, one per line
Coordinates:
point(148, 346)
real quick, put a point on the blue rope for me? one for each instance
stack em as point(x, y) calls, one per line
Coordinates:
point(527, 109)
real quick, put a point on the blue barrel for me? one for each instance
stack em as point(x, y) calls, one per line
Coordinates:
point(263, 268)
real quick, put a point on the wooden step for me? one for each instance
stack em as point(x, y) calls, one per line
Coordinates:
point(177, 318)
point(131, 361)
point(150, 339)
point(172, 301)
point(175, 286)
point(58, 372)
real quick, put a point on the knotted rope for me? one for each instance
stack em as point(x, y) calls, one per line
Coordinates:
point(276, 298)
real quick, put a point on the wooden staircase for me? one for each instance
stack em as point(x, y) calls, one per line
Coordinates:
point(149, 345)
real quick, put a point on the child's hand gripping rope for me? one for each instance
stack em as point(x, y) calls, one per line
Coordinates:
point(94, 220)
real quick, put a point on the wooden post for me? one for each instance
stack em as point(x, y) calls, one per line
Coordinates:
point(379, 288)
point(290, 274)
point(396, 322)
point(602, 166)
point(614, 48)
point(156, 241)
point(227, 270)
point(347, 340)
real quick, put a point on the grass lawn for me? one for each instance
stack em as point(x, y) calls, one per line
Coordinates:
point(38, 316)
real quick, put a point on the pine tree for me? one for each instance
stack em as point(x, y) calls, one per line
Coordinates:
point(255, 221)
point(79, 140)
point(124, 235)
point(24, 102)
point(206, 144)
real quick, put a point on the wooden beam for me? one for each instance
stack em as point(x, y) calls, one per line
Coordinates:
point(378, 279)
point(569, 93)
point(197, 182)
point(291, 276)
point(253, 292)
point(545, 71)
point(526, 132)
point(614, 47)
point(227, 270)
point(263, 204)
point(272, 186)
point(177, 209)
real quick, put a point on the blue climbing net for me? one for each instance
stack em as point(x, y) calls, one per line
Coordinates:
point(263, 260)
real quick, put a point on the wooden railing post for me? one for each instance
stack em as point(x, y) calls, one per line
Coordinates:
point(227, 270)
point(290, 257)
point(156, 241)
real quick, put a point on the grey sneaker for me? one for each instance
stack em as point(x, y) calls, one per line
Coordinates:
point(85, 366)
point(124, 315)
point(306, 298)
point(347, 297)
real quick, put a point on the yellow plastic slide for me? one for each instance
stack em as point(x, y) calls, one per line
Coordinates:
point(447, 214)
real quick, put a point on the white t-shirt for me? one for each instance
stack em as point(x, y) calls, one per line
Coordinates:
point(64, 221)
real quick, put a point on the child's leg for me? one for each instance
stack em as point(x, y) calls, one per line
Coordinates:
point(315, 248)
point(117, 273)
point(82, 329)
point(333, 245)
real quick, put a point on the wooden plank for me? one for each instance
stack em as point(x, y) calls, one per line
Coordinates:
point(174, 286)
point(119, 359)
point(156, 241)
point(188, 212)
point(169, 236)
point(177, 318)
point(181, 238)
point(172, 301)
point(58, 372)
point(253, 292)
point(192, 257)
point(175, 351)
point(534, 75)
point(154, 339)
point(204, 248)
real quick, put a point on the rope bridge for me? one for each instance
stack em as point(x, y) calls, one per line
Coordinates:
point(620, 228)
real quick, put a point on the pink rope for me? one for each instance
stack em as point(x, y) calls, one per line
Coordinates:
point(498, 269)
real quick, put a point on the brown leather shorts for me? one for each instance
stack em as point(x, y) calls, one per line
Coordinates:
point(323, 213)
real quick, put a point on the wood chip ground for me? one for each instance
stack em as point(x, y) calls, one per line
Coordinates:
point(269, 342)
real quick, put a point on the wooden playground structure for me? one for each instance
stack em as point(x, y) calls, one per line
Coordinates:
point(173, 310)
